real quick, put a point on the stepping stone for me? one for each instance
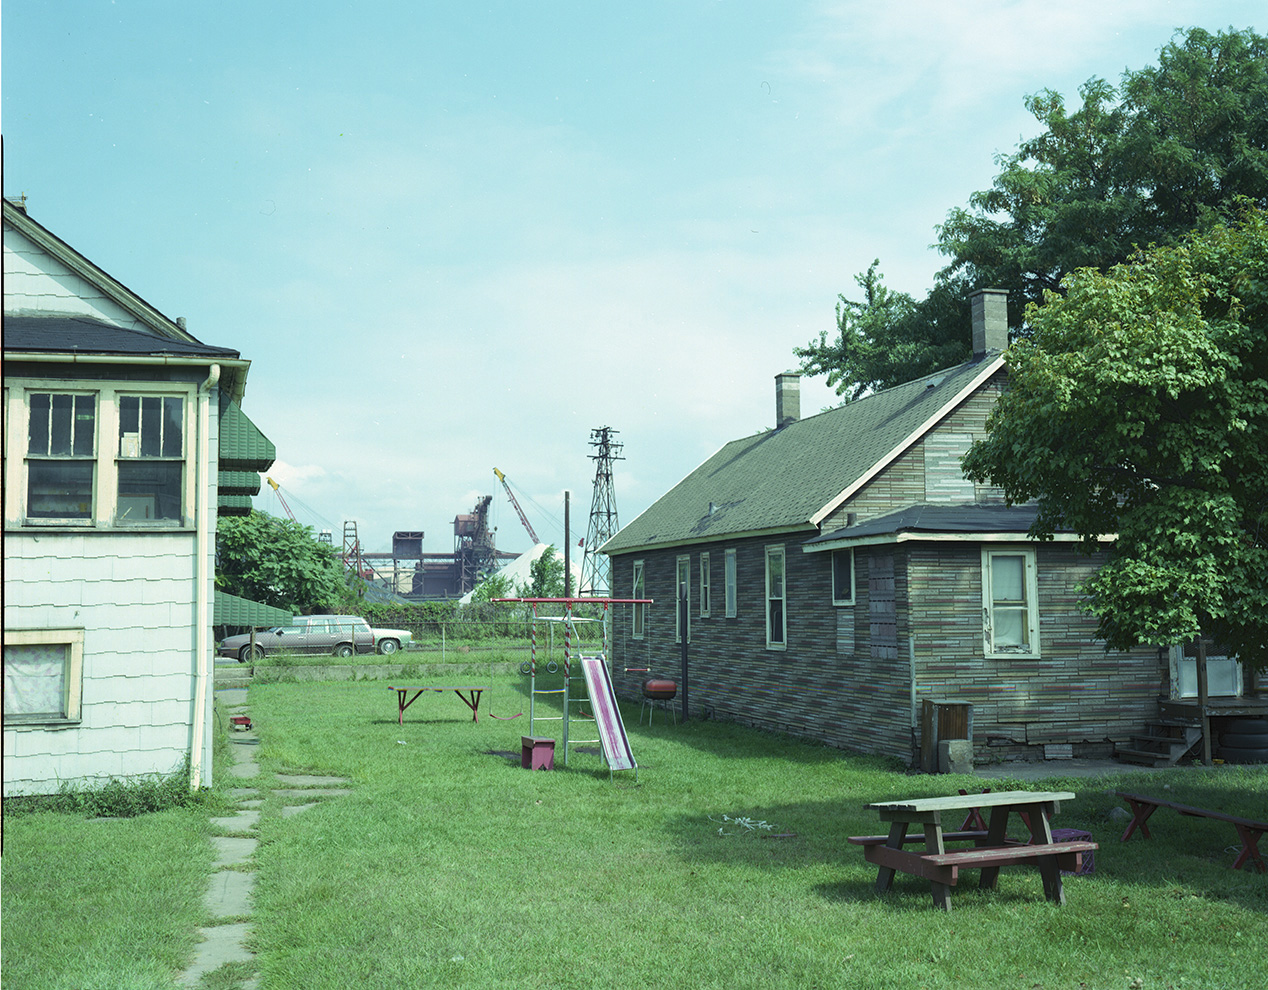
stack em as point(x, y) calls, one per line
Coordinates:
point(232, 851)
point(244, 771)
point(221, 944)
point(253, 803)
point(241, 822)
point(245, 792)
point(229, 893)
point(311, 792)
point(310, 780)
point(290, 810)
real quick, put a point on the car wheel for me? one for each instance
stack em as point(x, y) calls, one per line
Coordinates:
point(389, 646)
point(344, 650)
point(249, 653)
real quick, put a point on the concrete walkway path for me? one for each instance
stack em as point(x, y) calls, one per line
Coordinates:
point(228, 899)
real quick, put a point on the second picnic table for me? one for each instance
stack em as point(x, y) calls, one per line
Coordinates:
point(991, 847)
point(471, 699)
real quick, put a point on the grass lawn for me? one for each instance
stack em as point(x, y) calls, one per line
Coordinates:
point(101, 903)
point(451, 866)
point(448, 865)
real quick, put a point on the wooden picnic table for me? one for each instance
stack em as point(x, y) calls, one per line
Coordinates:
point(991, 847)
point(471, 699)
point(1248, 830)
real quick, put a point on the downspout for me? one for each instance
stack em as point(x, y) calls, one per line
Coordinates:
point(202, 572)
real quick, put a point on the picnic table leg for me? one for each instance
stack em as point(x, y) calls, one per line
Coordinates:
point(996, 835)
point(473, 702)
point(1250, 848)
point(1141, 810)
point(974, 820)
point(885, 875)
point(1049, 872)
point(402, 704)
point(934, 844)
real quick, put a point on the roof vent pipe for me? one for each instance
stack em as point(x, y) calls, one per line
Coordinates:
point(990, 322)
point(787, 398)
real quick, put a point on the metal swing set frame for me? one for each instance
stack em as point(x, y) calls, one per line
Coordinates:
point(570, 633)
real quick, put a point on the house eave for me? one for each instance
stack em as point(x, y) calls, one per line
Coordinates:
point(752, 534)
point(233, 370)
point(882, 539)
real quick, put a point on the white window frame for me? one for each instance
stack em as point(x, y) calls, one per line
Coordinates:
point(22, 423)
point(682, 579)
point(72, 673)
point(105, 510)
point(728, 580)
point(837, 597)
point(704, 586)
point(1029, 607)
point(638, 613)
point(772, 552)
point(125, 518)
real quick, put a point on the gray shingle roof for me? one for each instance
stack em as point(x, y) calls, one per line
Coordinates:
point(62, 334)
point(924, 518)
point(781, 479)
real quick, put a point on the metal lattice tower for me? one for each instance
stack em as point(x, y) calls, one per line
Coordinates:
point(596, 569)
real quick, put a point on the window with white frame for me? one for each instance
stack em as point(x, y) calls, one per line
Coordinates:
point(43, 675)
point(637, 612)
point(843, 576)
point(776, 612)
point(61, 455)
point(1010, 619)
point(704, 586)
point(728, 578)
point(76, 473)
point(682, 590)
point(151, 462)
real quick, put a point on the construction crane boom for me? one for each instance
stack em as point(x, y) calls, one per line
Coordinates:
point(278, 492)
point(523, 518)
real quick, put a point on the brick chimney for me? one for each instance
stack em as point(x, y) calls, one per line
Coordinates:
point(787, 398)
point(990, 322)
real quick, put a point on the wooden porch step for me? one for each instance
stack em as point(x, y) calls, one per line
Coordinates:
point(1146, 757)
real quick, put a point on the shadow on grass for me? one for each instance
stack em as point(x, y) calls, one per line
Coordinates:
point(1186, 855)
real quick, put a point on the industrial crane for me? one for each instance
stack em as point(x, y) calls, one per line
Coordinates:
point(511, 495)
point(278, 492)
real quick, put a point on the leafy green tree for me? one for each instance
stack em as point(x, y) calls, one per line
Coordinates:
point(1169, 150)
point(546, 575)
point(279, 562)
point(1139, 407)
point(495, 586)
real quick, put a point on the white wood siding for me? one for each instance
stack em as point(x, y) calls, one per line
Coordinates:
point(35, 283)
point(133, 595)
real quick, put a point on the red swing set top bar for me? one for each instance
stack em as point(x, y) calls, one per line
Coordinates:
point(576, 601)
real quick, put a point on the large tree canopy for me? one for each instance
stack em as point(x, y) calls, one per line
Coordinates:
point(278, 562)
point(1167, 151)
point(1138, 406)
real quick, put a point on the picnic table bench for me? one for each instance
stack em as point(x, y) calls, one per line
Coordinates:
point(471, 699)
point(991, 847)
point(1248, 830)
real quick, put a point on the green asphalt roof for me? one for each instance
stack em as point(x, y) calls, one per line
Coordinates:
point(780, 479)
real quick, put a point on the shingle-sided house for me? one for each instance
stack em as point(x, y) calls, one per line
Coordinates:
point(123, 441)
point(841, 572)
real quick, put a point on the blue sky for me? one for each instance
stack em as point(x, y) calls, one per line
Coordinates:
point(453, 236)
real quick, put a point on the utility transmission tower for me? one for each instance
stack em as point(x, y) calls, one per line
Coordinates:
point(596, 569)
